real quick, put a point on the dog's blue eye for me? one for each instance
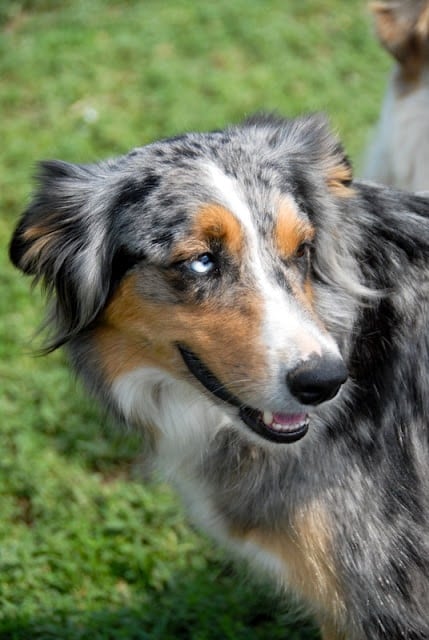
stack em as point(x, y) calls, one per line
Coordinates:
point(203, 264)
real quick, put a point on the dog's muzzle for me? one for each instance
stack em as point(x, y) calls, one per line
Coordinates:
point(312, 382)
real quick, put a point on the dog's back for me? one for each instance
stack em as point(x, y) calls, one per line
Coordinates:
point(399, 153)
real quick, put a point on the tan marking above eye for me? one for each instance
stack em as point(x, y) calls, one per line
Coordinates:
point(291, 232)
point(212, 222)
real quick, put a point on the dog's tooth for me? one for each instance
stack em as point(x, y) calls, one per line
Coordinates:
point(268, 417)
point(278, 427)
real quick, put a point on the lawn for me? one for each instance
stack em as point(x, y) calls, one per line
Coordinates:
point(90, 548)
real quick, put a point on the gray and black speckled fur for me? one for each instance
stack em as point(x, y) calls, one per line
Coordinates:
point(368, 463)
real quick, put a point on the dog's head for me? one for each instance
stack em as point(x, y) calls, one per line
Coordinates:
point(210, 259)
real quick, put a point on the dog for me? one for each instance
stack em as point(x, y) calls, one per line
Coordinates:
point(263, 318)
point(399, 154)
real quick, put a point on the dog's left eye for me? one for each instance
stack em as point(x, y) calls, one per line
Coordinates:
point(203, 264)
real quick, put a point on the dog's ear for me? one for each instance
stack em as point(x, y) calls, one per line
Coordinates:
point(402, 27)
point(339, 173)
point(326, 148)
point(62, 240)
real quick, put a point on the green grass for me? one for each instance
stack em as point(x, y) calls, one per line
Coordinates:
point(88, 549)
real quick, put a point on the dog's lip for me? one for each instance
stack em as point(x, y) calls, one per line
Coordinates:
point(275, 427)
point(282, 427)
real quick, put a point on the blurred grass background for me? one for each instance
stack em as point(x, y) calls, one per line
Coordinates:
point(88, 550)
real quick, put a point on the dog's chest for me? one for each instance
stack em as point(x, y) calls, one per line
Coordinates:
point(201, 505)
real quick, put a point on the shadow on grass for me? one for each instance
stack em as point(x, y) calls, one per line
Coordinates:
point(209, 605)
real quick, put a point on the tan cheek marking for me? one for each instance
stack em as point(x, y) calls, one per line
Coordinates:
point(120, 353)
point(306, 550)
point(290, 230)
point(130, 333)
point(135, 332)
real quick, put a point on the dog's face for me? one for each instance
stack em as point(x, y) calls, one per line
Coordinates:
point(197, 258)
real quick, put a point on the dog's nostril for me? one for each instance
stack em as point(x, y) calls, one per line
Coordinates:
point(317, 380)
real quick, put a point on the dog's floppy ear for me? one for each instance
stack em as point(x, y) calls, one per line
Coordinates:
point(62, 240)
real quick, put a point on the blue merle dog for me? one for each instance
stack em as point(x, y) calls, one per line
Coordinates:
point(264, 319)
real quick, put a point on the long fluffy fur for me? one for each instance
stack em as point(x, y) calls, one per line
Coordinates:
point(342, 515)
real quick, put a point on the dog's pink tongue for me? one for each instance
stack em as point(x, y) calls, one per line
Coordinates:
point(288, 419)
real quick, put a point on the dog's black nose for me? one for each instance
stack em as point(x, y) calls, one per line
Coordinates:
point(317, 380)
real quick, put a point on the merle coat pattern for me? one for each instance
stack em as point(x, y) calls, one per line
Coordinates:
point(195, 282)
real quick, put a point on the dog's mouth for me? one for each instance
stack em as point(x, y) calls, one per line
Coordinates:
point(275, 427)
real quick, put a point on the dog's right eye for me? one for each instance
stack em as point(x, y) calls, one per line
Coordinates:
point(202, 264)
